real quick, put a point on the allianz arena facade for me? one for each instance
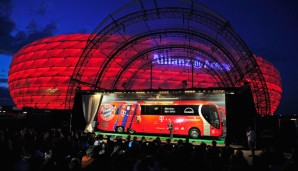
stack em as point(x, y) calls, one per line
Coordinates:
point(153, 47)
point(40, 73)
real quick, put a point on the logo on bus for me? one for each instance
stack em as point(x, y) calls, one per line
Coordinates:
point(161, 118)
point(189, 110)
point(107, 112)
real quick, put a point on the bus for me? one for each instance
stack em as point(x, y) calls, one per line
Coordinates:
point(189, 118)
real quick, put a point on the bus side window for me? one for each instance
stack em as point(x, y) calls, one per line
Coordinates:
point(151, 110)
point(155, 110)
point(143, 110)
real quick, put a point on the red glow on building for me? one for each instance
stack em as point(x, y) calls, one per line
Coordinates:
point(273, 81)
point(40, 73)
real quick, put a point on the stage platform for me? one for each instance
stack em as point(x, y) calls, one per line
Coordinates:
point(207, 140)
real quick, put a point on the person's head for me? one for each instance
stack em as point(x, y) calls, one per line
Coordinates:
point(90, 151)
point(143, 139)
point(99, 150)
point(128, 138)
point(239, 152)
point(135, 138)
point(99, 137)
point(111, 138)
point(179, 142)
point(214, 143)
point(168, 141)
point(249, 128)
point(203, 145)
point(74, 164)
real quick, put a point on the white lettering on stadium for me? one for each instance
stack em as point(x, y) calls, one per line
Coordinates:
point(168, 60)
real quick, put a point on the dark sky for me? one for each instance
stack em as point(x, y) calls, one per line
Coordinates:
point(269, 28)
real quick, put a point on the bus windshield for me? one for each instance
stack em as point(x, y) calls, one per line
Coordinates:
point(210, 114)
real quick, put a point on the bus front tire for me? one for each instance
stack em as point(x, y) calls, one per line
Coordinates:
point(194, 133)
point(119, 129)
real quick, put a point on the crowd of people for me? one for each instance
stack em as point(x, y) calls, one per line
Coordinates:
point(28, 149)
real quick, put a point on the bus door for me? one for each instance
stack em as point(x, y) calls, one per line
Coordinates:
point(159, 119)
point(151, 118)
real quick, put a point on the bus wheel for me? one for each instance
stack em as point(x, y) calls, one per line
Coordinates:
point(194, 133)
point(131, 131)
point(119, 129)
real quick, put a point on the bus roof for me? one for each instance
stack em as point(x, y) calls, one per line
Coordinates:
point(176, 102)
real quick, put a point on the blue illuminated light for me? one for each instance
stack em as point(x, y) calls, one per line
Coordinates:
point(197, 63)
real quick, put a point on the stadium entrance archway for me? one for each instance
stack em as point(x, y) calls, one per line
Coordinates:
point(167, 45)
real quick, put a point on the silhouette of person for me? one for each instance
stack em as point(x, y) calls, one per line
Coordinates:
point(251, 140)
point(171, 127)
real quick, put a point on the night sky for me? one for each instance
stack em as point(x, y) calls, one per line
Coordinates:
point(269, 28)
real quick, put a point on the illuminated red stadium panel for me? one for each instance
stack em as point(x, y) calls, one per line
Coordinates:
point(40, 73)
point(273, 81)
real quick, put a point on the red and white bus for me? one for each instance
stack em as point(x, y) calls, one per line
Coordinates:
point(192, 118)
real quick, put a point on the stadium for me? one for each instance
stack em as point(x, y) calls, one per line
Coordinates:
point(172, 76)
point(181, 49)
point(40, 73)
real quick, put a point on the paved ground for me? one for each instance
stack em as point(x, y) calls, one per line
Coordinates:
point(246, 154)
